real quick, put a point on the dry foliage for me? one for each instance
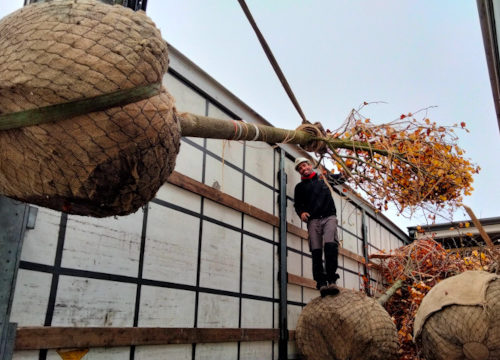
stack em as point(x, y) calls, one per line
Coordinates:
point(421, 265)
point(408, 162)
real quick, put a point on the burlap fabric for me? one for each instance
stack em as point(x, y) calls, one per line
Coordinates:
point(459, 332)
point(102, 163)
point(348, 326)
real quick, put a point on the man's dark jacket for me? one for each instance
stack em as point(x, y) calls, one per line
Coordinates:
point(313, 196)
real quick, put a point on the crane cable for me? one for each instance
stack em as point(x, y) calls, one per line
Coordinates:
point(273, 61)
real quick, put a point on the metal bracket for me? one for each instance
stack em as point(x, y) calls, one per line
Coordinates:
point(32, 215)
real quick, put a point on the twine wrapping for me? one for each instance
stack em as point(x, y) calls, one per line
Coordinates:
point(317, 146)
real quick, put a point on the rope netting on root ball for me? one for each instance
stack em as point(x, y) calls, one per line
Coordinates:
point(459, 319)
point(347, 326)
point(98, 70)
point(413, 270)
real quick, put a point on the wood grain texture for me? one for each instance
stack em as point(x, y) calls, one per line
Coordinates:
point(34, 338)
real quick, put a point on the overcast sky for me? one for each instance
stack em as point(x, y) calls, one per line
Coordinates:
point(336, 54)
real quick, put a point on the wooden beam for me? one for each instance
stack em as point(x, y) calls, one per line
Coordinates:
point(218, 196)
point(301, 281)
point(478, 225)
point(35, 338)
point(380, 256)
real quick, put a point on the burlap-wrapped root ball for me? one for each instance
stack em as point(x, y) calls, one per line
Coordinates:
point(460, 318)
point(348, 326)
point(100, 163)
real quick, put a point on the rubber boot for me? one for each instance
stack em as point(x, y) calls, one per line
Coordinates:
point(331, 262)
point(317, 268)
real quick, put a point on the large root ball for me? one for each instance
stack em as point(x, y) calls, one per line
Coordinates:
point(348, 326)
point(460, 318)
point(101, 163)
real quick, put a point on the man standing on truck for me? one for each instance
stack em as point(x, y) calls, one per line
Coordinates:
point(315, 206)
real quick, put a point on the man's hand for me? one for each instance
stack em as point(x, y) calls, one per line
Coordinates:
point(305, 216)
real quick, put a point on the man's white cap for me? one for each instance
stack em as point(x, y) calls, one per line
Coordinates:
point(300, 160)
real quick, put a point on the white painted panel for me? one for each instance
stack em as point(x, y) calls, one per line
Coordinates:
point(276, 271)
point(372, 250)
point(189, 161)
point(385, 239)
point(220, 258)
point(256, 350)
point(257, 267)
point(374, 233)
point(231, 151)
point(186, 99)
point(350, 264)
point(180, 197)
point(222, 213)
point(294, 292)
point(214, 111)
point(111, 353)
point(349, 217)
point(216, 351)
point(307, 267)
point(256, 314)
point(39, 244)
point(171, 245)
point(26, 355)
point(109, 245)
point(351, 281)
point(294, 263)
point(163, 307)
point(217, 311)
point(31, 297)
point(396, 243)
point(223, 178)
point(293, 177)
point(349, 242)
point(258, 195)
point(160, 352)
point(360, 247)
point(258, 227)
point(91, 302)
point(291, 215)
point(310, 294)
point(359, 222)
point(294, 242)
point(341, 281)
point(293, 313)
point(259, 161)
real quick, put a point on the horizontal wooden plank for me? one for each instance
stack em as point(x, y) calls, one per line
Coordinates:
point(187, 183)
point(35, 338)
point(301, 281)
point(380, 256)
point(352, 255)
point(218, 196)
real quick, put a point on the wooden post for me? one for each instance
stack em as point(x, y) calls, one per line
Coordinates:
point(478, 225)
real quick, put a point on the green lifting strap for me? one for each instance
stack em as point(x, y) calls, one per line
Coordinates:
point(73, 108)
